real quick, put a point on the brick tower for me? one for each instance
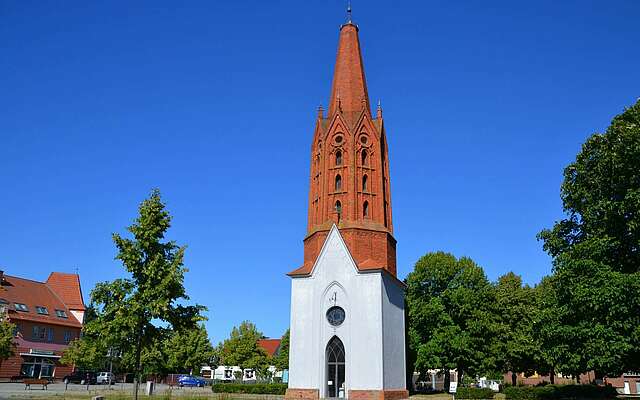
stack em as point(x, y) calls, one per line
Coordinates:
point(347, 305)
point(349, 180)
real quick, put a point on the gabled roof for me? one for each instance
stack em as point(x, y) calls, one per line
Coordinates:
point(32, 293)
point(67, 287)
point(271, 346)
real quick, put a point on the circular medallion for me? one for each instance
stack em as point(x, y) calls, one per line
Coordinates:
point(335, 315)
point(338, 139)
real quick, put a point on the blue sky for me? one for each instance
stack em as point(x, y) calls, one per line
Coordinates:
point(214, 103)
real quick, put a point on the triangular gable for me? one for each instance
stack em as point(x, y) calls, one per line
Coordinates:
point(334, 235)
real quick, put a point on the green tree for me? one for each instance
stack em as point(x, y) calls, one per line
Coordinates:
point(7, 338)
point(449, 321)
point(281, 360)
point(188, 350)
point(134, 313)
point(85, 353)
point(515, 348)
point(596, 249)
point(241, 349)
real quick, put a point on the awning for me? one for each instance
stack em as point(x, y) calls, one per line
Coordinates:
point(39, 355)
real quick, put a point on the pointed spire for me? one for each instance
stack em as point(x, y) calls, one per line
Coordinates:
point(348, 76)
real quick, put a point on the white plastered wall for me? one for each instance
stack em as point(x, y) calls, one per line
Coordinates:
point(371, 347)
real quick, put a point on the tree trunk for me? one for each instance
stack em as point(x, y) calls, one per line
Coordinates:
point(460, 374)
point(578, 378)
point(514, 380)
point(552, 376)
point(447, 380)
point(136, 378)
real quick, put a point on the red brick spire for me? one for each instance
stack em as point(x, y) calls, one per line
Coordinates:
point(349, 88)
point(349, 176)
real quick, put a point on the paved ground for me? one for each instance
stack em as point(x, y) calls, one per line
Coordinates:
point(60, 390)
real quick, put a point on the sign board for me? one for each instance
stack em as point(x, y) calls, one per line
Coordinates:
point(453, 387)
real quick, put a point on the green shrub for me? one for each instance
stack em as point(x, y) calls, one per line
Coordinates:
point(559, 392)
point(474, 393)
point(250, 388)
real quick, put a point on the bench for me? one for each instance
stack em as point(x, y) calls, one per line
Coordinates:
point(29, 382)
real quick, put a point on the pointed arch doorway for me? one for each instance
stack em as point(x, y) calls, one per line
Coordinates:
point(335, 368)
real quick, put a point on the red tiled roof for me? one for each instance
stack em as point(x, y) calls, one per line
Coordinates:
point(67, 287)
point(32, 294)
point(271, 346)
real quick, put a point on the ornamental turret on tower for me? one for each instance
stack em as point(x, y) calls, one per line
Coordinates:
point(349, 179)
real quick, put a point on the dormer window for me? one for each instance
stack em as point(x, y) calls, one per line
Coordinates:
point(42, 310)
point(21, 307)
point(61, 314)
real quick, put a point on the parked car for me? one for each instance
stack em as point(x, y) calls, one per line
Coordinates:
point(191, 381)
point(104, 378)
point(81, 377)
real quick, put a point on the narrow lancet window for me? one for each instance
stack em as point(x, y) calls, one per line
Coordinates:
point(364, 183)
point(338, 157)
point(364, 157)
point(365, 209)
point(338, 185)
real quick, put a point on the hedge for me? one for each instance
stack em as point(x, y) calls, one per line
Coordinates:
point(250, 388)
point(474, 393)
point(559, 392)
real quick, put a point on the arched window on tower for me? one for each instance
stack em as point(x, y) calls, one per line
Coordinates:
point(365, 161)
point(338, 185)
point(338, 209)
point(364, 183)
point(338, 157)
point(365, 209)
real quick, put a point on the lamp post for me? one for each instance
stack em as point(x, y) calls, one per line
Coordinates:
point(112, 353)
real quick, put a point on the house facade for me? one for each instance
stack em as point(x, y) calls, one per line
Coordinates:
point(48, 316)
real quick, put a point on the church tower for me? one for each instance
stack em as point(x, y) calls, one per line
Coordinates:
point(349, 179)
point(347, 305)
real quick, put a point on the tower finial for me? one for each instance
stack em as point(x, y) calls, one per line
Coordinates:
point(348, 12)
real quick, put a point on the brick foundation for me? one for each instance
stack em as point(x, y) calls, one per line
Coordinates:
point(398, 394)
point(302, 394)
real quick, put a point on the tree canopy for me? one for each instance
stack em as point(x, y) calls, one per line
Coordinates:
point(448, 303)
point(596, 249)
point(241, 348)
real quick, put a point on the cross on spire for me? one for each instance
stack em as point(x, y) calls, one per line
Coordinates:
point(348, 12)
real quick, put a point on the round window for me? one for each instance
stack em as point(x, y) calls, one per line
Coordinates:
point(335, 315)
point(338, 139)
point(363, 139)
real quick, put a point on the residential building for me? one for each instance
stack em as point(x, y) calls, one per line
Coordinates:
point(48, 316)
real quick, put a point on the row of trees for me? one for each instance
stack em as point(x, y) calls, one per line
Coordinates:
point(584, 317)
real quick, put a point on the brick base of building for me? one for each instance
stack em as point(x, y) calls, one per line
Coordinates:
point(399, 394)
point(302, 394)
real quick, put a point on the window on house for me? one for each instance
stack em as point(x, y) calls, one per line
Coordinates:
point(68, 336)
point(21, 307)
point(61, 314)
point(338, 157)
point(338, 185)
point(42, 310)
point(364, 183)
point(364, 157)
point(365, 209)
